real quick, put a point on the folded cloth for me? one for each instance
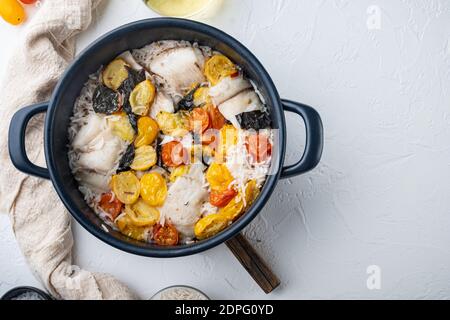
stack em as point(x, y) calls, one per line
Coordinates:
point(40, 222)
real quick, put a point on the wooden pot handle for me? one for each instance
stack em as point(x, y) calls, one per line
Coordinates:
point(253, 263)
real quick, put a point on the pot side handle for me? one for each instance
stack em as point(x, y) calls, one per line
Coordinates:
point(16, 140)
point(314, 139)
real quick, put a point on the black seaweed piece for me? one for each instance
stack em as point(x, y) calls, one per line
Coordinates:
point(134, 78)
point(133, 120)
point(105, 100)
point(187, 103)
point(256, 120)
point(127, 159)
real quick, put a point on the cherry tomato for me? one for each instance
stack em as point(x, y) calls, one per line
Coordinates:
point(210, 225)
point(173, 154)
point(211, 138)
point(28, 1)
point(219, 67)
point(199, 120)
point(221, 198)
point(153, 189)
point(166, 235)
point(259, 147)
point(217, 120)
point(12, 11)
point(110, 205)
point(219, 177)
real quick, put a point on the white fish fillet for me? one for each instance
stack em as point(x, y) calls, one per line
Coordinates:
point(185, 197)
point(161, 103)
point(245, 101)
point(98, 183)
point(228, 88)
point(103, 158)
point(179, 68)
point(94, 126)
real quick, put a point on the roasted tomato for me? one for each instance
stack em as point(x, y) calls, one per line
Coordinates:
point(173, 154)
point(217, 120)
point(153, 189)
point(173, 124)
point(178, 172)
point(233, 209)
point(237, 205)
point(228, 137)
point(127, 227)
point(115, 73)
point(166, 235)
point(144, 158)
point(258, 146)
point(199, 120)
point(141, 98)
point(111, 205)
point(210, 138)
point(219, 177)
point(219, 67)
point(210, 225)
point(126, 187)
point(121, 127)
point(12, 12)
point(141, 214)
point(201, 96)
point(221, 198)
point(147, 131)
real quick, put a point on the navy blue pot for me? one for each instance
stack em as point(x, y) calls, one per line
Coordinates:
point(136, 35)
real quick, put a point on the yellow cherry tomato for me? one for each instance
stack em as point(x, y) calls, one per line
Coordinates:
point(121, 127)
point(219, 177)
point(178, 172)
point(141, 214)
point(219, 67)
point(141, 98)
point(233, 209)
point(126, 187)
point(127, 228)
point(228, 136)
point(173, 124)
point(237, 205)
point(12, 12)
point(144, 158)
point(153, 189)
point(201, 96)
point(115, 73)
point(210, 225)
point(147, 131)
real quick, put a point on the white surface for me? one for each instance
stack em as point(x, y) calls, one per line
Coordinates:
point(381, 193)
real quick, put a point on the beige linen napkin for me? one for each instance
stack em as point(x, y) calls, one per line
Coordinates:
point(41, 223)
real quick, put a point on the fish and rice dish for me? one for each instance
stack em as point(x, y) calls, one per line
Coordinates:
point(170, 143)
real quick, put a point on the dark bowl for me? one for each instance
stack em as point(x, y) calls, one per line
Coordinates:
point(103, 50)
point(15, 292)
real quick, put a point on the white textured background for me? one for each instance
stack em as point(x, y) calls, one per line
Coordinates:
point(381, 195)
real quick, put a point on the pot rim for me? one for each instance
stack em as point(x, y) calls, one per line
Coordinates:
point(235, 227)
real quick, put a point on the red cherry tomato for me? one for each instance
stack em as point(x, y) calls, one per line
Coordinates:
point(259, 147)
point(110, 205)
point(166, 235)
point(173, 154)
point(221, 198)
point(28, 1)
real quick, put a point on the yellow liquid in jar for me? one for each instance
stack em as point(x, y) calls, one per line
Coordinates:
point(178, 8)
